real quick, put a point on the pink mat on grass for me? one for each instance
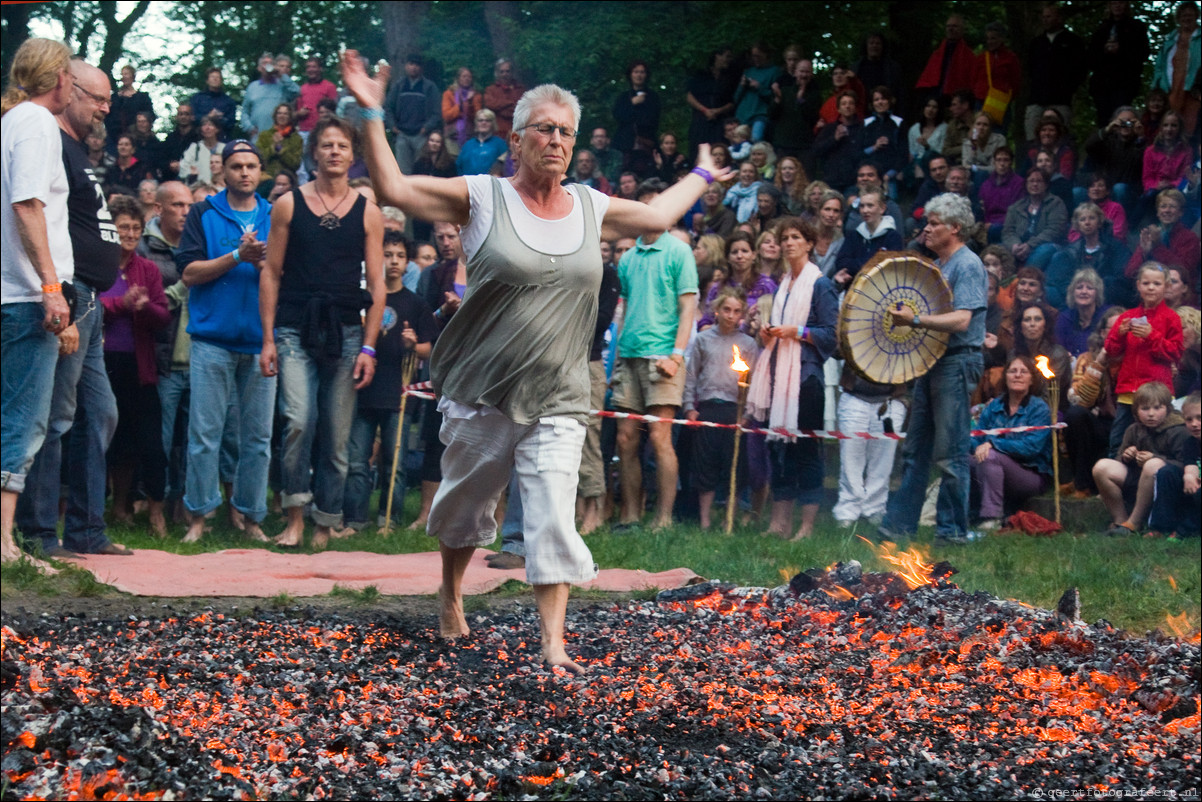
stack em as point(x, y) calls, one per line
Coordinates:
point(262, 573)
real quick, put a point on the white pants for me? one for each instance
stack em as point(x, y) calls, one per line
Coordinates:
point(483, 448)
point(865, 465)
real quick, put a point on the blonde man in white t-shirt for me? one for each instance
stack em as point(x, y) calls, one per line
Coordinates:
point(35, 258)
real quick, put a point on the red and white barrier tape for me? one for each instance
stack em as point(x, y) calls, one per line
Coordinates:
point(825, 434)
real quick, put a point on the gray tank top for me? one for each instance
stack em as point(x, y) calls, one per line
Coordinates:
point(520, 340)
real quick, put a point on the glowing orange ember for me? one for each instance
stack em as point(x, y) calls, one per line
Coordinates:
point(738, 364)
point(1041, 362)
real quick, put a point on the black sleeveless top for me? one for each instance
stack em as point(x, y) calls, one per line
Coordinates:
point(323, 266)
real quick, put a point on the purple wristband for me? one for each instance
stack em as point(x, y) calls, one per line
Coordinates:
point(704, 173)
point(367, 349)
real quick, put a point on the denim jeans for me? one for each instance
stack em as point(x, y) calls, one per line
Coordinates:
point(317, 400)
point(1041, 256)
point(25, 346)
point(939, 433)
point(217, 375)
point(83, 417)
point(173, 390)
point(512, 539)
point(359, 484)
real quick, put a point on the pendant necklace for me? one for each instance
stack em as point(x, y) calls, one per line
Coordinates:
point(329, 220)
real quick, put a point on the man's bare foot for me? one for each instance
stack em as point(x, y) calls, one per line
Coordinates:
point(661, 523)
point(558, 658)
point(321, 538)
point(451, 621)
point(122, 516)
point(592, 516)
point(294, 533)
point(141, 505)
point(196, 529)
point(237, 519)
point(341, 534)
point(802, 534)
point(418, 524)
point(255, 532)
point(158, 521)
point(12, 553)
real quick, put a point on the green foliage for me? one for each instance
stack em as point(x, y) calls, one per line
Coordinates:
point(281, 601)
point(366, 595)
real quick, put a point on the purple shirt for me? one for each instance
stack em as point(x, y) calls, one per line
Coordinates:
point(997, 198)
point(118, 331)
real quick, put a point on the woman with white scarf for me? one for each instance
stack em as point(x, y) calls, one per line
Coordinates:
point(787, 387)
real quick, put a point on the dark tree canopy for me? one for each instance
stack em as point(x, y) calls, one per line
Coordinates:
point(584, 46)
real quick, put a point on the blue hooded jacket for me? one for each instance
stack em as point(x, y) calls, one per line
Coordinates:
point(223, 312)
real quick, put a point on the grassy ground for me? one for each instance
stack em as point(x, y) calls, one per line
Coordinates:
point(1133, 583)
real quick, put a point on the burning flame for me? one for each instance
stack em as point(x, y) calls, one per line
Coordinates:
point(1041, 362)
point(839, 593)
point(911, 564)
point(738, 365)
point(1178, 624)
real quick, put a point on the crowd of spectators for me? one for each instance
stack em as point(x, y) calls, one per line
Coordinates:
point(1070, 234)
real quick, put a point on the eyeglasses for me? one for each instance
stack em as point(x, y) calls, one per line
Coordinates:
point(546, 129)
point(98, 99)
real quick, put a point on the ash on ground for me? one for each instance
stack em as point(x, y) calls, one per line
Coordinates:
point(711, 692)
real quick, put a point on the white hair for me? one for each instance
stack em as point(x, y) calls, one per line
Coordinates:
point(539, 95)
point(953, 210)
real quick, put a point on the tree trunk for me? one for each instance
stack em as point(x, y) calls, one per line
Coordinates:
point(501, 16)
point(116, 30)
point(911, 26)
point(16, 31)
point(402, 29)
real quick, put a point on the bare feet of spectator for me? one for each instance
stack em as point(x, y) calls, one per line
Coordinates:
point(418, 524)
point(341, 534)
point(294, 533)
point(158, 522)
point(321, 538)
point(237, 519)
point(255, 532)
point(592, 516)
point(809, 512)
point(196, 529)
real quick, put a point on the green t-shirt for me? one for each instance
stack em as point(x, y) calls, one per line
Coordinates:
point(653, 278)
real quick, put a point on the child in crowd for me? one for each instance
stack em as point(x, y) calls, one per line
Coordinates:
point(711, 393)
point(1176, 508)
point(408, 325)
point(743, 197)
point(1157, 438)
point(1149, 340)
point(740, 143)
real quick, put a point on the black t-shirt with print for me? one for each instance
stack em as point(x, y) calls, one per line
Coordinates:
point(93, 232)
point(384, 392)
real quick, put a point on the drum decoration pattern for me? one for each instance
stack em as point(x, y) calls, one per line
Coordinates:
point(891, 354)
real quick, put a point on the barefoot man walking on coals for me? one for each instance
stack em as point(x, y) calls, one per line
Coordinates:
point(512, 366)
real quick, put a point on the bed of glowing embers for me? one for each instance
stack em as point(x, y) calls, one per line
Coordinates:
point(840, 685)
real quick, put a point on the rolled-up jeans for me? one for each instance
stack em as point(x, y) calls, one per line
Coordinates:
point(317, 400)
point(83, 417)
point(25, 347)
point(939, 432)
point(217, 374)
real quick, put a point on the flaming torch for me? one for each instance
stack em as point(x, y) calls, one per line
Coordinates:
point(742, 369)
point(1041, 362)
